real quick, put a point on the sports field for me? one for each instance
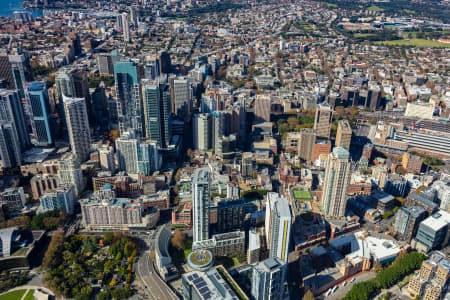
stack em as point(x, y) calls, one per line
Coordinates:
point(301, 195)
point(422, 43)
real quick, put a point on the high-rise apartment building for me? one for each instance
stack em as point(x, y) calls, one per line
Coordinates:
point(262, 108)
point(407, 220)
point(268, 279)
point(128, 98)
point(72, 82)
point(156, 106)
point(11, 111)
point(322, 120)
point(40, 113)
point(148, 158)
point(103, 211)
point(201, 197)
point(69, 172)
point(278, 226)
point(248, 164)
point(78, 127)
point(63, 199)
point(337, 179)
point(127, 153)
point(202, 131)
point(106, 157)
point(343, 134)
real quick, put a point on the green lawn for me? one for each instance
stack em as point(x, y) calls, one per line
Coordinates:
point(29, 295)
point(13, 295)
point(302, 195)
point(374, 8)
point(414, 43)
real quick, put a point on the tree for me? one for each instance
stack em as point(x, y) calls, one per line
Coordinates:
point(308, 295)
point(178, 239)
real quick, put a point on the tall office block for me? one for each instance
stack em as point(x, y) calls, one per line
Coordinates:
point(62, 199)
point(201, 197)
point(181, 94)
point(20, 72)
point(407, 221)
point(69, 172)
point(125, 27)
point(100, 112)
point(165, 63)
point(278, 226)
point(10, 153)
point(128, 98)
point(268, 280)
point(337, 179)
point(220, 121)
point(306, 142)
point(6, 74)
point(262, 108)
point(148, 158)
point(105, 64)
point(78, 127)
point(202, 132)
point(343, 134)
point(127, 153)
point(11, 111)
point(322, 120)
point(40, 108)
point(156, 105)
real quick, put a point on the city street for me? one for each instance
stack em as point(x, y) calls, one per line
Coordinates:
point(343, 290)
point(155, 287)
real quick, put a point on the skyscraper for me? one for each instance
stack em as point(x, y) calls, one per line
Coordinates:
point(125, 27)
point(148, 158)
point(268, 279)
point(200, 189)
point(262, 108)
point(181, 93)
point(306, 142)
point(278, 226)
point(72, 82)
point(11, 111)
point(322, 121)
point(220, 121)
point(6, 74)
point(40, 109)
point(343, 134)
point(19, 71)
point(156, 107)
point(10, 153)
point(165, 63)
point(202, 132)
point(105, 64)
point(78, 127)
point(129, 107)
point(337, 178)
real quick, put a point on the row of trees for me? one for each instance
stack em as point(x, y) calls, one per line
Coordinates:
point(402, 266)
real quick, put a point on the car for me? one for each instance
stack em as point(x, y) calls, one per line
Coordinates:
point(353, 279)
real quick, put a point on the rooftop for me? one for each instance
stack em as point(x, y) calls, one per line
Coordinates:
point(437, 221)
